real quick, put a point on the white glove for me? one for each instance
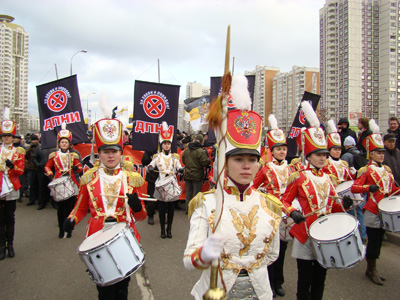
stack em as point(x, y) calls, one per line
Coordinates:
point(212, 248)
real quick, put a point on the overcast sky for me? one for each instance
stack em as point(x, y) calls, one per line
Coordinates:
point(124, 39)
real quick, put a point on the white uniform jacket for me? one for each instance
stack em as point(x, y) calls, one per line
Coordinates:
point(251, 237)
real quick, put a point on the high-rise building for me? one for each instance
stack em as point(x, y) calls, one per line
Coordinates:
point(262, 102)
point(360, 59)
point(194, 89)
point(14, 49)
point(288, 89)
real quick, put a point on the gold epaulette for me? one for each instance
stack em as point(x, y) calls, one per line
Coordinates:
point(128, 166)
point(196, 202)
point(273, 203)
point(75, 155)
point(362, 171)
point(51, 155)
point(295, 161)
point(345, 163)
point(176, 156)
point(326, 162)
point(388, 168)
point(21, 150)
point(294, 176)
point(155, 155)
point(135, 179)
point(88, 175)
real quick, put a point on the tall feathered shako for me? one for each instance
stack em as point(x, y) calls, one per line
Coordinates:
point(275, 136)
point(333, 137)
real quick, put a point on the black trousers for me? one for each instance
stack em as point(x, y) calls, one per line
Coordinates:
point(310, 280)
point(166, 208)
point(64, 208)
point(275, 270)
point(375, 238)
point(7, 221)
point(150, 205)
point(44, 192)
point(116, 291)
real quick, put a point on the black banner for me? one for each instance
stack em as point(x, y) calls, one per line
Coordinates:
point(153, 103)
point(215, 89)
point(299, 122)
point(59, 101)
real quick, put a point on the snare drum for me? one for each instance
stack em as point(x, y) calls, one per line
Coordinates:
point(344, 189)
point(6, 186)
point(389, 211)
point(284, 234)
point(62, 188)
point(168, 189)
point(337, 241)
point(111, 254)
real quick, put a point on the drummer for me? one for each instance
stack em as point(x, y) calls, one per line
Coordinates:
point(166, 164)
point(64, 163)
point(250, 220)
point(98, 192)
point(12, 163)
point(375, 180)
point(313, 189)
point(273, 177)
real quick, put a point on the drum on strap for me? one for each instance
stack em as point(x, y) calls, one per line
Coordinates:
point(389, 212)
point(344, 189)
point(337, 241)
point(62, 188)
point(168, 189)
point(6, 186)
point(111, 254)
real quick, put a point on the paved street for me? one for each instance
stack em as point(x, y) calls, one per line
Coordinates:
point(47, 268)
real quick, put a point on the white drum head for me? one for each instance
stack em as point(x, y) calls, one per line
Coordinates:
point(57, 181)
point(332, 227)
point(390, 204)
point(101, 237)
point(346, 185)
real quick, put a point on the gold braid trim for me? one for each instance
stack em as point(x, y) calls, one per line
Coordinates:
point(51, 155)
point(334, 179)
point(293, 177)
point(362, 171)
point(75, 155)
point(388, 169)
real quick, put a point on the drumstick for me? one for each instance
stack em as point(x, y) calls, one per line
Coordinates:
point(307, 215)
point(394, 193)
point(338, 197)
point(77, 206)
point(118, 196)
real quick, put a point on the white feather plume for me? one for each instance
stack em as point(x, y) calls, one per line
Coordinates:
point(6, 114)
point(373, 126)
point(240, 93)
point(273, 122)
point(64, 125)
point(310, 114)
point(164, 126)
point(331, 126)
point(105, 109)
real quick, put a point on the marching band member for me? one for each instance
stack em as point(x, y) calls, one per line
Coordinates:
point(249, 220)
point(64, 163)
point(313, 189)
point(166, 164)
point(334, 165)
point(273, 176)
point(376, 180)
point(12, 163)
point(102, 191)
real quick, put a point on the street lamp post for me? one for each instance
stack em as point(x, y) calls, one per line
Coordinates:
point(83, 51)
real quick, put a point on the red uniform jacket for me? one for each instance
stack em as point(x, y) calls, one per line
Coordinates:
point(300, 185)
point(18, 159)
point(368, 176)
point(55, 162)
point(268, 177)
point(90, 198)
point(342, 175)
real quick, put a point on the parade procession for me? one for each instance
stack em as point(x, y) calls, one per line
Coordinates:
point(237, 205)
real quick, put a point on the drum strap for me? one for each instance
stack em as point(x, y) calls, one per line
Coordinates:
point(125, 187)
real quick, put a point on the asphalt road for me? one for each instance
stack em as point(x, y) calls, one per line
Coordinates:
point(46, 267)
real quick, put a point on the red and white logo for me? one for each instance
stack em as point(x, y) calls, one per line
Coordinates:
point(154, 104)
point(57, 99)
